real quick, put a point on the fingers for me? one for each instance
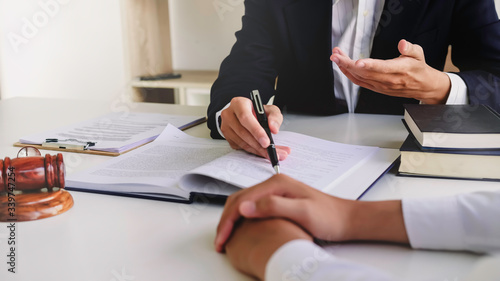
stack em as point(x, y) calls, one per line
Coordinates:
point(274, 117)
point(231, 212)
point(273, 206)
point(255, 241)
point(356, 71)
point(339, 51)
point(224, 230)
point(340, 58)
point(242, 130)
point(375, 68)
point(384, 76)
point(279, 185)
point(377, 76)
point(242, 121)
point(398, 77)
point(247, 143)
point(237, 143)
point(411, 50)
point(366, 67)
point(283, 152)
point(406, 76)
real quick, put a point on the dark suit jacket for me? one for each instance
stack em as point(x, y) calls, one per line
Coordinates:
point(291, 40)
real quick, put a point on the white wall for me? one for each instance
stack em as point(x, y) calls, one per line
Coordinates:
point(203, 31)
point(70, 48)
point(78, 53)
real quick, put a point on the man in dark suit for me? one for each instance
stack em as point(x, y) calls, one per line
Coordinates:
point(292, 41)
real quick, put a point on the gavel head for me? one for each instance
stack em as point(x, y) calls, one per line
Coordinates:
point(32, 173)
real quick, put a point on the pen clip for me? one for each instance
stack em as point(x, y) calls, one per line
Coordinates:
point(255, 97)
point(59, 144)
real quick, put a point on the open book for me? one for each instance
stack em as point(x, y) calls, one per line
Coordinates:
point(176, 166)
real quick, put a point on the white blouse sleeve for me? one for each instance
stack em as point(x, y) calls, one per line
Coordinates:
point(304, 260)
point(463, 222)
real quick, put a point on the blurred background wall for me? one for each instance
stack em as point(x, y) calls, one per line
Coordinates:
point(75, 48)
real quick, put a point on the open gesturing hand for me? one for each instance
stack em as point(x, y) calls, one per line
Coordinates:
point(406, 76)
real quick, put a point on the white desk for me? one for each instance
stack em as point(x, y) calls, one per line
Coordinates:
point(116, 238)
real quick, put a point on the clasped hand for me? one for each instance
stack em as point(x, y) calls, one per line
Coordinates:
point(259, 220)
point(323, 216)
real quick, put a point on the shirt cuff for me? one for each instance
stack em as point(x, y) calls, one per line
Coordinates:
point(217, 118)
point(433, 223)
point(458, 91)
point(304, 260)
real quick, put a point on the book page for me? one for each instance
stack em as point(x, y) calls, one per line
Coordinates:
point(114, 132)
point(176, 159)
point(153, 168)
point(316, 162)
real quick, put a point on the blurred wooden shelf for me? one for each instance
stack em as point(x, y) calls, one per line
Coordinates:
point(200, 80)
point(189, 79)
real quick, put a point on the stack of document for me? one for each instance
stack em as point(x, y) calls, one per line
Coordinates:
point(113, 132)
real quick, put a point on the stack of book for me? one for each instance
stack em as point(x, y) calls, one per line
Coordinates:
point(451, 141)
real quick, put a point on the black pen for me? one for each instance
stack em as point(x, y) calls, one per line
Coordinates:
point(262, 118)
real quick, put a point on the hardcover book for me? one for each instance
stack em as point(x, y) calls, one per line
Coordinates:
point(454, 126)
point(479, 164)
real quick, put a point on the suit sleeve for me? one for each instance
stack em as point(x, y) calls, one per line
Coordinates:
point(251, 63)
point(475, 44)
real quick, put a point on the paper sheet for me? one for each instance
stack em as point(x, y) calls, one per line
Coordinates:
point(114, 132)
point(155, 167)
point(176, 159)
point(313, 161)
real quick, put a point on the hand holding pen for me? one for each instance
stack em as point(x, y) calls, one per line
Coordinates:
point(262, 118)
point(240, 127)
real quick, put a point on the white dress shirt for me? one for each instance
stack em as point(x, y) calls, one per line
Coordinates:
point(354, 23)
point(465, 222)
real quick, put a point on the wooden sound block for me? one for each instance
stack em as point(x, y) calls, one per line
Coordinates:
point(34, 206)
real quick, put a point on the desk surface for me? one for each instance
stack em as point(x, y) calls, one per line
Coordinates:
point(116, 238)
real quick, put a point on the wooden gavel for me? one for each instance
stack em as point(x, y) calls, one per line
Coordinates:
point(31, 174)
point(22, 183)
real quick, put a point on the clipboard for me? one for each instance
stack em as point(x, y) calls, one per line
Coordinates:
point(87, 151)
point(68, 148)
